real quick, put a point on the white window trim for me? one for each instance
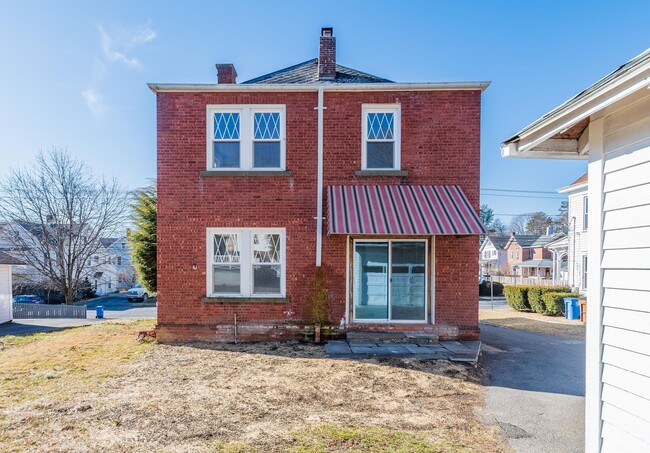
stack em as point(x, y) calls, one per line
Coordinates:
point(396, 109)
point(246, 134)
point(245, 261)
point(585, 213)
point(428, 299)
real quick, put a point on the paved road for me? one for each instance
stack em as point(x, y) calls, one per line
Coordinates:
point(115, 307)
point(535, 389)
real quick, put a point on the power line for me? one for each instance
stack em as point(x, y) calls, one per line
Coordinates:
point(518, 196)
point(518, 190)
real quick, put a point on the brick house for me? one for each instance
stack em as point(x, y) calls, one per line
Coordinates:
point(528, 256)
point(317, 165)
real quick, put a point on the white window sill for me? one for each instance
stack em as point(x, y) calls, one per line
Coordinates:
point(226, 173)
point(246, 300)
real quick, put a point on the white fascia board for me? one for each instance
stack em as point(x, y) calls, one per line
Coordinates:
point(427, 86)
point(523, 144)
point(574, 188)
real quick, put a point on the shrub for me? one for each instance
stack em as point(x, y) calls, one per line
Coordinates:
point(484, 288)
point(535, 294)
point(517, 296)
point(554, 302)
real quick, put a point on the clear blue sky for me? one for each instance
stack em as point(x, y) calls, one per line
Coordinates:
point(74, 73)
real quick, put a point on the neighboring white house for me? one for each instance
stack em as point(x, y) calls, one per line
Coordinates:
point(111, 270)
point(608, 124)
point(6, 303)
point(577, 238)
point(492, 255)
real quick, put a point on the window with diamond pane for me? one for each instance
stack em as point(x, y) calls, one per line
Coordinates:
point(380, 126)
point(225, 148)
point(266, 146)
point(267, 267)
point(226, 264)
point(226, 126)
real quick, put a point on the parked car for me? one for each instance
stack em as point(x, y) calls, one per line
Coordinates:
point(29, 299)
point(137, 293)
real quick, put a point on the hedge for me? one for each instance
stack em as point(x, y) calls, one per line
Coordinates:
point(535, 294)
point(554, 302)
point(484, 288)
point(517, 296)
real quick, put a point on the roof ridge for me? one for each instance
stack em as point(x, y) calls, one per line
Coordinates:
point(279, 71)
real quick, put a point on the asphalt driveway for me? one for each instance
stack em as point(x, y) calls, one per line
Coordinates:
point(115, 307)
point(535, 388)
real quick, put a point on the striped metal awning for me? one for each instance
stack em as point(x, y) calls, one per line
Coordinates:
point(424, 210)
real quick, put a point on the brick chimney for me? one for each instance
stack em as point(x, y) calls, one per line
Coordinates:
point(327, 54)
point(226, 73)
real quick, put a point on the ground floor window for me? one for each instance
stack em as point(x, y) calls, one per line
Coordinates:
point(247, 262)
point(584, 272)
point(390, 280)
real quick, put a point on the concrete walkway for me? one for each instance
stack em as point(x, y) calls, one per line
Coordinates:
point(457, 351)
point(535, 389)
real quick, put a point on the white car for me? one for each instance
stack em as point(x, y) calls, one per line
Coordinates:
point(137, 293)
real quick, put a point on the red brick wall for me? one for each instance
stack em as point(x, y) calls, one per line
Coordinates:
point(440, 145)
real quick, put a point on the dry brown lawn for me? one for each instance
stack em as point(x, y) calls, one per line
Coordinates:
point(534, 322)
point(96, 389)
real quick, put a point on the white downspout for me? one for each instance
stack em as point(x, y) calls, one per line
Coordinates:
point(319, 184)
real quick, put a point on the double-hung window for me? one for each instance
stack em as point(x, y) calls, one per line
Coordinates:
point(381, 137)
point(246, 137)
point(585, 213)
point(246, 262)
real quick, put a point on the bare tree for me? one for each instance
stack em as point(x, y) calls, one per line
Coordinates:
point(57, 211)
point(519, 223)
point(538, 223)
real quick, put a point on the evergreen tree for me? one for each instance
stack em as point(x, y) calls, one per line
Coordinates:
point(143, 240)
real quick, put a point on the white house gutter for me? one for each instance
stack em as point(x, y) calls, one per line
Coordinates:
point(260, 87)
point(319, 183)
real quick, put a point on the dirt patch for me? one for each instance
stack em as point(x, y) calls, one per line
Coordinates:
point(534, 322)
point(256, 397)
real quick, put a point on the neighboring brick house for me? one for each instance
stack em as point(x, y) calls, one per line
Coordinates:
point(317, 165)
point(528, 256)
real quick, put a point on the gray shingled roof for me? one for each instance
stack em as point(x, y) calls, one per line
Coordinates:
point(499, 241)
point(5, 258)
point(526, 240)
point(307, 72)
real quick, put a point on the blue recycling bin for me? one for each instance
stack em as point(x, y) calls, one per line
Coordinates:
point(571, 308)
point(99, 312)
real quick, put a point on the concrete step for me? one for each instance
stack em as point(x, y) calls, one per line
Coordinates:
point(357, 338)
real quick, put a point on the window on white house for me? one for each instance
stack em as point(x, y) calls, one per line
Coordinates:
point(381, 137)
point(119, 260)
point(246, 137)
point(584, 272)
point(246, 262)
point(585, 213)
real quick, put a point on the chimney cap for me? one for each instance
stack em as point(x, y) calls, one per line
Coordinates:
point(327, 31)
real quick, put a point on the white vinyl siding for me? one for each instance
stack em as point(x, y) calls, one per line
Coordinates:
point(578, 239)
point(625, 268)
point(6, 313)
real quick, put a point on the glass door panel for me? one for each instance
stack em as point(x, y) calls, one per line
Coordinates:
point(371, 280)
point(408, 282)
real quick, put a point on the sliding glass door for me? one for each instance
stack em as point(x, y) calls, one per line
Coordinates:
point(390, 280)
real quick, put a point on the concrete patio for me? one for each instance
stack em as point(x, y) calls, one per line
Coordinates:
point(456, 351)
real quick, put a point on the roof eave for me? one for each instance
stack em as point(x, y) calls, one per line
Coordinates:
point(524, 143)
point(573, 188)
point(261, 87)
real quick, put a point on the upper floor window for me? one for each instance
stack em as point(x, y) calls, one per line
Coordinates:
point(246, 137)
point(381, 137)
point(585, 213)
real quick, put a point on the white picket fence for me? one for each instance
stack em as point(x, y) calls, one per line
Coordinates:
point(528, 281)
point(31, 311)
